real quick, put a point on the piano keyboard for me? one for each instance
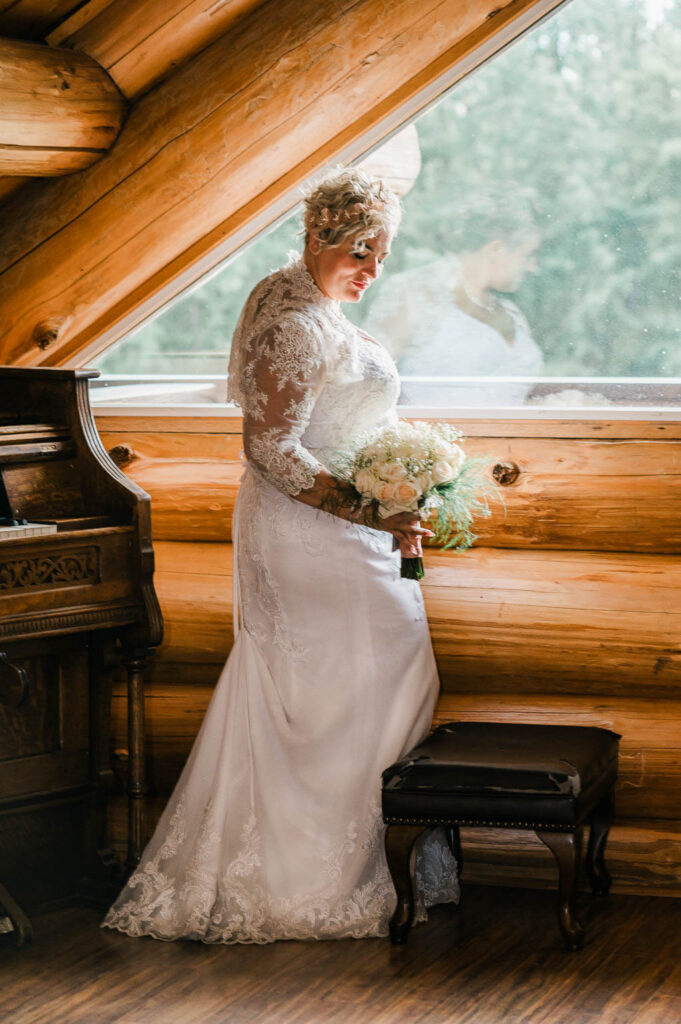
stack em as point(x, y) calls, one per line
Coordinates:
point(27, 530)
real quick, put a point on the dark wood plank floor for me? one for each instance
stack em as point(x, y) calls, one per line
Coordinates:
point(496, 960)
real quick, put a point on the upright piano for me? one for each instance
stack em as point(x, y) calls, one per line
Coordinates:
point(76, 600)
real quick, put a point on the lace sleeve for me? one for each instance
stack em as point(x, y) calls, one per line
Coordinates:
point(282, 376)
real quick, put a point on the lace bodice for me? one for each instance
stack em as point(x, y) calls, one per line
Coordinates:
point(308, 382)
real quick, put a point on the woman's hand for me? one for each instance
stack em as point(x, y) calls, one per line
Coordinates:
point(408, 530)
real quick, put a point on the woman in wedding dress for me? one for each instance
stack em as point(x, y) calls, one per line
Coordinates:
point(274, 828)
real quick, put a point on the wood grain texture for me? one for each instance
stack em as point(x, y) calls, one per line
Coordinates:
point(59, 111)
point(503, 429)
point(618, 494)
point(193, 164)
point(496, 958)
point(500, 621)
point(141, 42)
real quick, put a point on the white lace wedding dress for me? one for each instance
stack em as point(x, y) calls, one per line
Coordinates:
point(274, 829)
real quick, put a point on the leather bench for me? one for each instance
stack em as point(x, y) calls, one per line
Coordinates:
point(552, 779)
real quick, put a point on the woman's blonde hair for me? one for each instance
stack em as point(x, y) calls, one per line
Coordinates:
point(349, 203)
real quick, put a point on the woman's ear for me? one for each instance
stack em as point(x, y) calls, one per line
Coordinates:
point(314, 244)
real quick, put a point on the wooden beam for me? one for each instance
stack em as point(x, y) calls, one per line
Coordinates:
point(31, 19)
point(232, 132)
point(141, 42)
point(59, 111)
point(9, 185)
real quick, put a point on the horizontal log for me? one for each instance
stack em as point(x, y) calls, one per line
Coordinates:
point(616, 495)
point(59, 111)
point(189, 499)
point(650, 749)
point(31, 19)
point(178, 445)
point(141, 42)
point(505, 429)
point(291, 86)
point(500, 621)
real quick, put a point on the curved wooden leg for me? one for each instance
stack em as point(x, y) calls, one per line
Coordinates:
point(454, 840)
point(566, 847)
point(601, 819)
point(13, 920)
point(399, 846)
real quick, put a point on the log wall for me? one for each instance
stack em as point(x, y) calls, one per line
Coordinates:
point(567, 610)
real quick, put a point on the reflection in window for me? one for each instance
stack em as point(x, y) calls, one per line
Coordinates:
point(540, 238)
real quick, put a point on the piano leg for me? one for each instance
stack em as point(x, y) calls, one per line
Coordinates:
point(13, 921)
point(134, 663)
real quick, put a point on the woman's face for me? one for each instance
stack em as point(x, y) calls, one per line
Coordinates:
point(345, 272)
point(508, 264)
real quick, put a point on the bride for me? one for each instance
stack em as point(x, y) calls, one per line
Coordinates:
point(274, 829)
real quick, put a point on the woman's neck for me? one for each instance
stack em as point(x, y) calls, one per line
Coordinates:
point(473, 280)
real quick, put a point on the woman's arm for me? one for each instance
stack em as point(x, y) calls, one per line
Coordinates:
point(284, 374)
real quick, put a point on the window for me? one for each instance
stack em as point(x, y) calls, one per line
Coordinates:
point(539, 260)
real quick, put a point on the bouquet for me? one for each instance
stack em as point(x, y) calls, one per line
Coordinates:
point(422, 467)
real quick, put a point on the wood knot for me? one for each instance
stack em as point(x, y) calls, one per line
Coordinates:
point(122, 454)
point(48, 331)
point(506, 473)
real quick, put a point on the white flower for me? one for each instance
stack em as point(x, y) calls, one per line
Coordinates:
point(384, 491)
point(442, 472)
point(425, 482)
point(406, 494)
point(456, 458)
point(441, 449)
point(393, 471)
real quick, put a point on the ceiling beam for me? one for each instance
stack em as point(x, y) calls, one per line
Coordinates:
point(206, 152)
point(59, 111)
point(141, 42)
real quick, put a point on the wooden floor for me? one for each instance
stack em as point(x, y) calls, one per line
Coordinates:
point(496, 960)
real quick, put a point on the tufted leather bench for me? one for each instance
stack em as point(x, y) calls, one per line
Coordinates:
point(552, 779)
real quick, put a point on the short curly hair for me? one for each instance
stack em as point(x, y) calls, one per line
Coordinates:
point(349, 203)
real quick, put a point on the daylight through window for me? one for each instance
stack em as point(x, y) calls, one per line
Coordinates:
point(539, 259)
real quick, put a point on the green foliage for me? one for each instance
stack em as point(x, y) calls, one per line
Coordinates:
point(583, 116)
point(463, 499)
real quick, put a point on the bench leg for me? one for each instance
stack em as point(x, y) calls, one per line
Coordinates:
point(14, 920)
point(566, 847)
point(399, 846)
point(601, 819)
point(454, 840)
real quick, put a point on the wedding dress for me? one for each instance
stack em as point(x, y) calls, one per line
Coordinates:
point(274, 829)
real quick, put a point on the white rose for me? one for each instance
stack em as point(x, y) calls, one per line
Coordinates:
point(456, 458)
point(441, 450)
point(394, 471)
point(425, 482)
point(364, 482)
point(406, 493)
point(442, 472)
point(379, 467)
point(384, 491)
